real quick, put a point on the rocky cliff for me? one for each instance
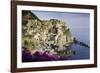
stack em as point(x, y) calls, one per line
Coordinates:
point(50, 37)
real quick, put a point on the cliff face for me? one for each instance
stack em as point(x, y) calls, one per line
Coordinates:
point(51, 36)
